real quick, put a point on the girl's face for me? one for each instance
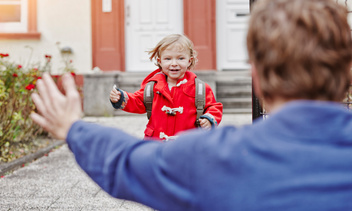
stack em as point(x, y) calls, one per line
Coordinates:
point(174, 63)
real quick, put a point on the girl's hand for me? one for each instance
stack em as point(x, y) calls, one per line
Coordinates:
point(205, 124)
point(115, 95)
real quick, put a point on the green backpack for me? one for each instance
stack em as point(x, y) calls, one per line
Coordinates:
point(199, 102)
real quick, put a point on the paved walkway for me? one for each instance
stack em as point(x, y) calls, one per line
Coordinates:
point(55, 182)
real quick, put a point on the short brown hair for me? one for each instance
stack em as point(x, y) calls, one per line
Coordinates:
point(301, 49)
point(183, 41)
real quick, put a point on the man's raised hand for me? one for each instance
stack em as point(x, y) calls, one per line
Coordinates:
point(56, 111)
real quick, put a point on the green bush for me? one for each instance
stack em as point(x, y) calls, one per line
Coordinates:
point(17, 130)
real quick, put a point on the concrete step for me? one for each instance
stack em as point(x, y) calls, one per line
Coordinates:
point(236, 102)
point(230, 92)
point(234, 91)
point(233, 75)
point(237, 110)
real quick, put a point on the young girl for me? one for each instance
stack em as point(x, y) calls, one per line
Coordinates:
point(174, 107)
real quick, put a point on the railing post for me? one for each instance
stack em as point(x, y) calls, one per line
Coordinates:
point(257, 110)
point(256, 107)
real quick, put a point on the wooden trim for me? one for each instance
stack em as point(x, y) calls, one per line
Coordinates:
point(213, 31)
point(94, 28)
point(32, 16)
point(19, 36)
point(122, 35)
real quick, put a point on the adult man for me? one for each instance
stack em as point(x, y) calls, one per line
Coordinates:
point(298, 159)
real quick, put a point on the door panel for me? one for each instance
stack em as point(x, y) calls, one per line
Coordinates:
point(238, 53)
point(146, 23)
point(108, 36)
point(232, 17)
point(200, 27)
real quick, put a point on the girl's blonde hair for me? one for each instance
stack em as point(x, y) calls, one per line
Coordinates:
point(184, 43)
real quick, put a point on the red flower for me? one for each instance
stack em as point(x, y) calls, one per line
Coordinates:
point(15, 75)
point(19, 66)
point(35, 69)
point(38, 77)
point(73, 74)
point(2, 55)
point(2, 176)
point(30, 87)
point(48, 58)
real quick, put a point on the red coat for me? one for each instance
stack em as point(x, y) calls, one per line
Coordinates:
point(181, 96)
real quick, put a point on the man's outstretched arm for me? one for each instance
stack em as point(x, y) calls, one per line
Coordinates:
point(121, 164)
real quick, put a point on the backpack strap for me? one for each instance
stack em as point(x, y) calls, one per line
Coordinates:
point(148, 96)
point(200, 98)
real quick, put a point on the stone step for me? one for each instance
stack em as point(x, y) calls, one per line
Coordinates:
point(234, 91)
point(231, 92)
point(231, 75)
point(237, 110)
point(236, 102)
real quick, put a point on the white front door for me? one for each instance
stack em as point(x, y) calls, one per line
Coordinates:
point(232, 17)
point(146, 23)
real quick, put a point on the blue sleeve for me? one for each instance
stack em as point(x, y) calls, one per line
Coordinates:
point(149, 172)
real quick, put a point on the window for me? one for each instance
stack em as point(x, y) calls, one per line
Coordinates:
point(18, 19)
point(13, 15)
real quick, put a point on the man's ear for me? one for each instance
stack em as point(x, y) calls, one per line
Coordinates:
point(256, 81)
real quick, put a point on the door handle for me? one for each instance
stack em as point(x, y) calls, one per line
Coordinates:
point(128, 11)
point(128, 15)
point(241, 14)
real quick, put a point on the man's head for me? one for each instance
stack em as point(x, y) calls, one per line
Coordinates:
point(300, 49)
